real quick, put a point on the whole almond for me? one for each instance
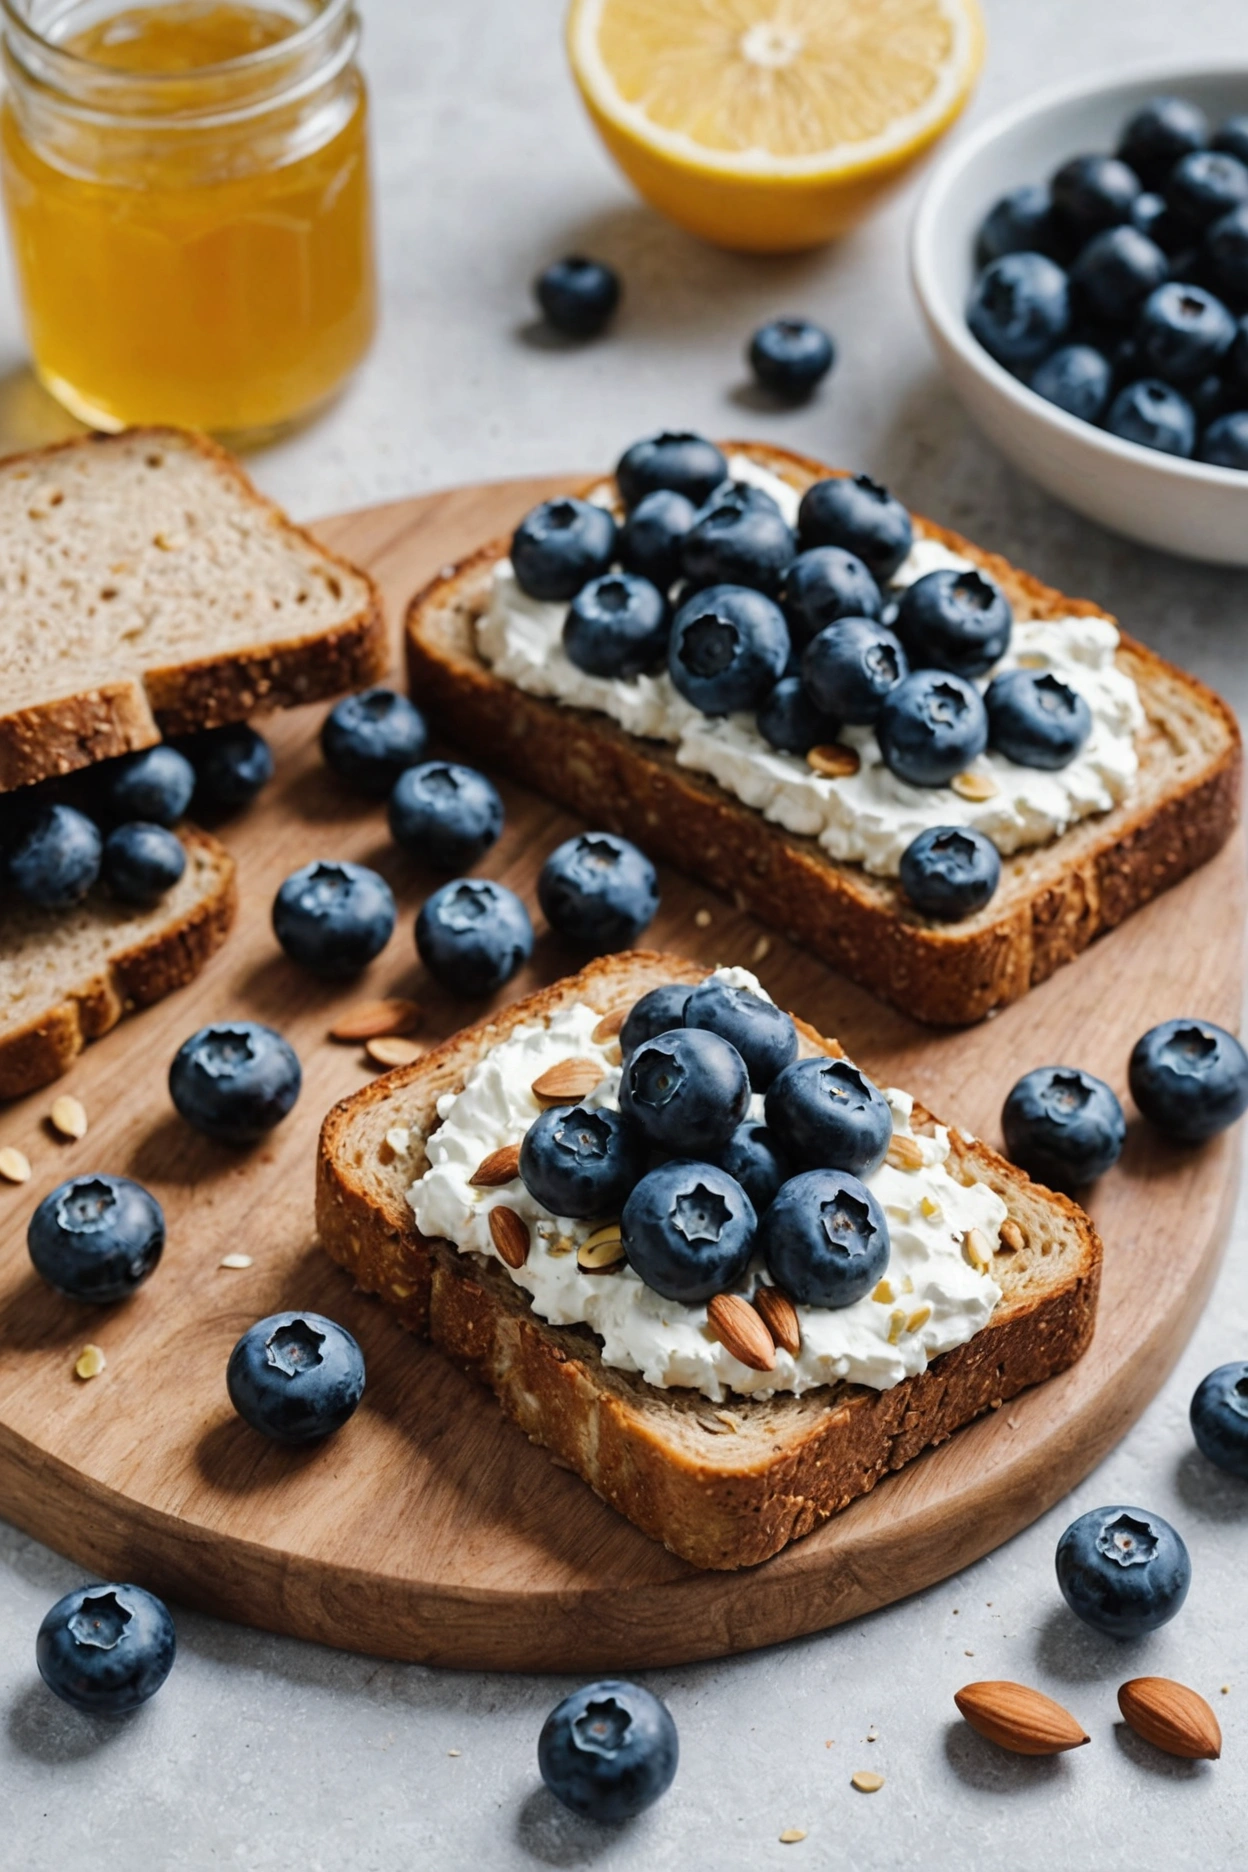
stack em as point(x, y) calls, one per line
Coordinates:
point(373, 1019)
point(501, 1166)
point(1171, 1717)
point(510, 1234)
point(1024, 1721)
point(780, 1318)
point(741, 1331)
point(567, 1081)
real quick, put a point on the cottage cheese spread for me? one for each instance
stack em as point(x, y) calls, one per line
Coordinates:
point(869, 817)
point(930, 1299)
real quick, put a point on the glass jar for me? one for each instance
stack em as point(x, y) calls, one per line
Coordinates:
point(187, 192)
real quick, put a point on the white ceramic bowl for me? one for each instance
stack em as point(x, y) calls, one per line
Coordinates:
point(1186, 507)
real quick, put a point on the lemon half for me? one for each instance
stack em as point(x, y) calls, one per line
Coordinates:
point(771, 125)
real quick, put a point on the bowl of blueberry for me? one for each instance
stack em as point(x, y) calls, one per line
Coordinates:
point(1082, 266)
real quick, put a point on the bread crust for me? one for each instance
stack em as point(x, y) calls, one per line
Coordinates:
point(723, 1488)
point(128, 712)
point(1065, 895)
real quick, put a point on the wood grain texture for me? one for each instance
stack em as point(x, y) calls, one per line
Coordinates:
point(429, 1529)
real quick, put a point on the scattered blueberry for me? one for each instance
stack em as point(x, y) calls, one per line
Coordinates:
point(739, 537)
point(578, 296)
point(763, 1034)
point(1019, 222)
point(577, 1162)
point(789, 720)
point(688, 1230)
point(823, 585)
point(687, 1089)
point(333, 918)
point(829, 1116)
point(1093, 192)
point(56, 857)
point(1232, 136)
point(1116, 271)
point(1159, 134)
point(617, 625)
point(849, 669)
point(1219, 1417)
point(141, 862)
point(1020, 308)
point(155, 785)
point(1189, 1078)
point(1183, 332)
point(1035, 719)
point(932, 725)
point(657, 1012)
point(728, 648)
point(954, 620)
point(949, 872)
point(1151, 216)
point(1062, 1126)
point(1123, 1571)
point(789, 356)
point(857, 514)
point(1225, 442)
point(371, 738)
point(446, 814)
point(235, 1080)
point(295, 1377)
point(473, 935)
point(96, 1238)
point(599, 890)
point(676, 459)
point(1155, 415)
point(651, 538)
point(560, 545)
point(106, 1649)
point(825, 1239)
point(753, 1156)
point(1204, 186)
point(1225, 254)
point(608, 1751)
point(232, 765)
point(1077, 378)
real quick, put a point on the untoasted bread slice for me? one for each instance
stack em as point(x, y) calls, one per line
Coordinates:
point(1052, 900)
point(148, 587)
point(723, 1487)
point(67, 976)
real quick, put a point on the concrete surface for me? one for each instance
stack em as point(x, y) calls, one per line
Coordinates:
point(262, 1752)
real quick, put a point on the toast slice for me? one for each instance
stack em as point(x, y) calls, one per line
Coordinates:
point(147, 587)
point(721, 1487)
point(1051, 902)
point(67, 976)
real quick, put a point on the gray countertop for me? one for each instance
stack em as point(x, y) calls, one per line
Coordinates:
point(263, 1752)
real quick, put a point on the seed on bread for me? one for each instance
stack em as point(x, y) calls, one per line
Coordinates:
point(602, 1250)
point(372, 1020)
point(741, 1331)
point(68, 1117)
point(974, 786)
point(905, 1153)
point(1011, 1235)
point(833, 762)
point(510, 1234)
point(567, 1081)
point(1020, 1719)
point(501, 1166)
point(780, 1318)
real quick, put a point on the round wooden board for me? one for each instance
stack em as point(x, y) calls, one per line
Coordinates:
point(429, 1528)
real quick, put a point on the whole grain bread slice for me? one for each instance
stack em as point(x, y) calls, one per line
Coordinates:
point(147, 587)
point(1052, 900)
point(67, 976)
point(723, 1487)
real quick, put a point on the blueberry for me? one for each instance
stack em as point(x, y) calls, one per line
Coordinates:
point(1232, 136)
point(763, 1034)
point(728, 649)
point(1219, 1416)
point(446, 814)
point(687, 1089)
point(1035, 719)
point(608, 1751)
point(1159, 134)
point(1123, 1571)
point(825, 1239)
point(949, 872)
point(651, 538)
point(753, 1157)
point(578, 296)
point(295, 1377)
point(1204, 186)
point(932, 725)
point(789, 356)
point(1019, 309)
point(599, 890)
point(1093, 192)
point(473, 935)
point(56, 857)
point(1225, 254)
point(1189, 1078)
point(234, 1080)
point(371, 738)
point(1183, 332)
point(232, 764)
point(1155, 415)
point(688, 1230)
point(334, 918)
point(849, 669)
point(1225, 442)
point(155, 785)
point(1151, 216)
point(106, 1649)
point(657, 1012)
point(581, 1163)
point(676, 459)
point(1019, 222)
point(141, 862)
point(96, 1238)
point(829, 1116)
point(617, 625)
point(1078, 378)
point(954, 620)
point(791, 722)
point(1209, 399)
point(1062, 1126)
point(739, 537)
point(857, 514)
point(560, 545)
point(1237, 358)
point(824, 585)
point(1116, 271)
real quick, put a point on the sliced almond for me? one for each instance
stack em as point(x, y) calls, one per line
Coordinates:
point(1011, 1235)
point(974, 786)
point(90, 1362)
point(501, 1166)
point(1019, 1719)
point(792, 1836)
point(374, 1019)
point(918, 1318)
point(390, 1050)
point(602, 1250)
point(235, 1261)
point(741, 1331)
point(68, 1116)
point(510, 1234)
point(1171, 1717)
point(567, 1081)
point(867, 1781)
point(14, 1165)
point(976, 1250)
point(905, 1153)
point(610, 1024)
point(883, 1293)
point(780, 1318)
point(833, 762)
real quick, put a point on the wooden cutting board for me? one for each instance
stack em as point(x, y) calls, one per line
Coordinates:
point(429, 1528)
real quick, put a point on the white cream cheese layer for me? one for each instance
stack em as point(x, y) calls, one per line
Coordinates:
point(930, 1299)
point(871, 816)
